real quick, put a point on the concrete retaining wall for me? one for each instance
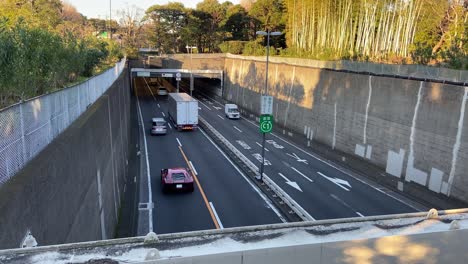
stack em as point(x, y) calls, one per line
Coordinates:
point(412, 130)
point(72, 190)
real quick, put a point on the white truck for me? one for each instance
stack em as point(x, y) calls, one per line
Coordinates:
point(183, 111)
point(231, 111)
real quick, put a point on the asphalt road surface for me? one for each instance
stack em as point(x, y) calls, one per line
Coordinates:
point(323, 189)
point(224, 196)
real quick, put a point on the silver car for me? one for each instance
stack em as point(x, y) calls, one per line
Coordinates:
point(159, 126)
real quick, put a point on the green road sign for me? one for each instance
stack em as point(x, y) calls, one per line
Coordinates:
point(266, 123)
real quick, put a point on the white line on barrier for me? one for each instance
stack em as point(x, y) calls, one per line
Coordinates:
point(302, 174)
point(216, 215)
point(178, 142)
point(193, 168)
point(150, 195)
point(260, 193)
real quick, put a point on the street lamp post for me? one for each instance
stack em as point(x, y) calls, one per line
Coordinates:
point(265, 92)
point(190, 49)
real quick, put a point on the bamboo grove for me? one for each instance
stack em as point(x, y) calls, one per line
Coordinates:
point(368, 28)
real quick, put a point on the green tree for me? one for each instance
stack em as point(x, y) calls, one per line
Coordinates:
point(168, 21)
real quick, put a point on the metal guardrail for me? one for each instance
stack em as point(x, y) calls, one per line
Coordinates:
point(27, 128)
point(301, 212)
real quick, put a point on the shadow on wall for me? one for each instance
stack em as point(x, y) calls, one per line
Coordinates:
point(411, 129)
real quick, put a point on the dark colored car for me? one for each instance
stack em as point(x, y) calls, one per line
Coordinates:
point(176, 179)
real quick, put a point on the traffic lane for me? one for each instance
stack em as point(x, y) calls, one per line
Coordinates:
point(178, 212)
point(314, 198)
point(236, 201)
point(216, 175)
point(363, 199)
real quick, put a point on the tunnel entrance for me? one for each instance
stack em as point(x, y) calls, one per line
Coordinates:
point(182, 80)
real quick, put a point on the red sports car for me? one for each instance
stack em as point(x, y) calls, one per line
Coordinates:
point(176, 179)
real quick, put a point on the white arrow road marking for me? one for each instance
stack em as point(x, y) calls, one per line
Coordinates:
point(337, 181)
point(258, 156)
point(291, 183)
point(217, 107)
point(261, 145)
point(221, 117)
point(294, 156)
point(210, 102)
point(205, 105)
point(302, 174)
point(237, 129)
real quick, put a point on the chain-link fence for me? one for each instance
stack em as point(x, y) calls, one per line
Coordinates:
point(26, 128)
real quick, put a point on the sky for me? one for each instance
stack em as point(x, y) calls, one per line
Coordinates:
point(100, 8)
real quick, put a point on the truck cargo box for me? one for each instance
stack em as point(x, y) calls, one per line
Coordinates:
point(183, 111)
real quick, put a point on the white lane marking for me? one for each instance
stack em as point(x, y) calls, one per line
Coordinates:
point(243, 144)
point(336, 168)
point(221, 117)
point(150, 195)
point(291, 183)
point(159, 106)
point(237, 129)
point(261, 145)
point(163, 114)
point(204, 105)
point(178, 142)
point(260, 193)
point(345, 204)
point(210, 102)
point(217, 107)
point(302, 174)
point(336, 181)
point(199, 108)
point(169, 125)
point(193, 168)
point(134, 179)
point(296, 157)
point(216, 215)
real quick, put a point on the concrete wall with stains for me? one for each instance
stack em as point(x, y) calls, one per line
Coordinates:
point(416, 131)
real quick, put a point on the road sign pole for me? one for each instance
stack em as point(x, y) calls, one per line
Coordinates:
point(263, 157)
point(177, 86)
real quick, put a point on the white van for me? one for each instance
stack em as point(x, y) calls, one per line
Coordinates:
point(231, 111)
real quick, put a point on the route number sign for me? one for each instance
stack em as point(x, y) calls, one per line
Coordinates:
point(266, 123)
point(178, 75)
